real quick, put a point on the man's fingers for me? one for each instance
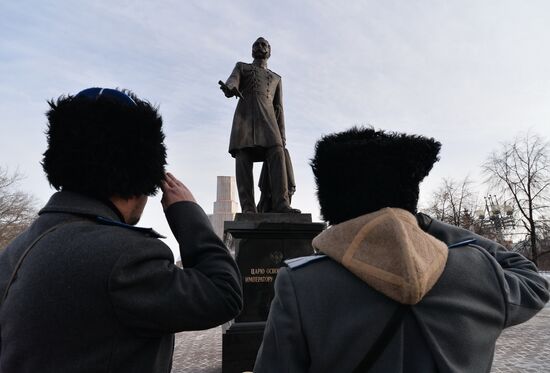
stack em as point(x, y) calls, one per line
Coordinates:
point(174, 179)
point(174, 191)
point(171, 177)
point(169, 180)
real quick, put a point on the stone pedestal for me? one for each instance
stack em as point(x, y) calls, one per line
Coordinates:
point(261, 243)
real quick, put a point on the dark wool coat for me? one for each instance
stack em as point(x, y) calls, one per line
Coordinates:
point(259, 119)
point(324, 318)
point(98, 296)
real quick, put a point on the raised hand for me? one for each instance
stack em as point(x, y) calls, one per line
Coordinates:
point(174, 191)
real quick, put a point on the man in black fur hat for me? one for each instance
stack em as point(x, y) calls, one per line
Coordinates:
point(84, 289)
point(392, 290)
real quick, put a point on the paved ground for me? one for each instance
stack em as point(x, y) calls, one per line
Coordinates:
point(198, 352)
point(524, 348)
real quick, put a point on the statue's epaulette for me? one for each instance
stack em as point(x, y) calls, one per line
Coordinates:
point(303, 260)
point(462, 243)
point(148, 231)
point(274, 73)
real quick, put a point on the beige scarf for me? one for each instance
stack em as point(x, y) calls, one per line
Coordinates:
point(389, 251)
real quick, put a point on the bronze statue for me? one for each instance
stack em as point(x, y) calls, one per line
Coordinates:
point(258, 132)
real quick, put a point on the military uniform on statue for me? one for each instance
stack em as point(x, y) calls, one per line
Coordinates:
point(261, 241)
point(258, 131)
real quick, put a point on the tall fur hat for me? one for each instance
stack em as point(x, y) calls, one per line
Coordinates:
point(104, 142)
point(363, 170)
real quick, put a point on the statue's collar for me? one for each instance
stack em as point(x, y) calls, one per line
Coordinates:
point(260, 63)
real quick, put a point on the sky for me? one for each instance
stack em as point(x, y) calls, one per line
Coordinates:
point(471, 74)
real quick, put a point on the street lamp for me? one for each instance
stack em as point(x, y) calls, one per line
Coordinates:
point(497, 216)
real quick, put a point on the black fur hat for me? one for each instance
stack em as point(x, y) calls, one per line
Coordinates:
point(104, 142)
point(363, 170)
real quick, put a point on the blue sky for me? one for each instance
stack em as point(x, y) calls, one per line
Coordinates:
point(469, 73)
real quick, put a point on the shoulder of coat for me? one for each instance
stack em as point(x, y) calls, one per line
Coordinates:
point(303, 261)
point(274, 73)
point(241, 64)
point(462, 243)
point(146, 231)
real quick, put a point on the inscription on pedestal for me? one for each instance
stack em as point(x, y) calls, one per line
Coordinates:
point(259, 260)
point(261, 242)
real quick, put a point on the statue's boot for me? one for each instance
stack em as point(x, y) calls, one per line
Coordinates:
point(275, 159)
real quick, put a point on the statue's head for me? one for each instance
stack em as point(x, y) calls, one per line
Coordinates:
point(261, 49)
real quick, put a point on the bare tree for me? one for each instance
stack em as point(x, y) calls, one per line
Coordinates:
point(521, 170)
point(456, 203)
point(453, 202)
point(544, 244)
point(17, 208)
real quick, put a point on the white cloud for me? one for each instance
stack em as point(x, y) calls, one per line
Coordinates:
point(469, 73)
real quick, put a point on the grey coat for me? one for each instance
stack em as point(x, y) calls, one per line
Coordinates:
point(96, 295)
point(259, 118)
point(324, 318)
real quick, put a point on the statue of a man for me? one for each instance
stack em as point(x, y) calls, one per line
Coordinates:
point(258, 132)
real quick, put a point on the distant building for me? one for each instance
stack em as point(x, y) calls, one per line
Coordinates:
point(226, 205)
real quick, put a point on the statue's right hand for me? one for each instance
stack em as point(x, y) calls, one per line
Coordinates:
point(228, 92)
